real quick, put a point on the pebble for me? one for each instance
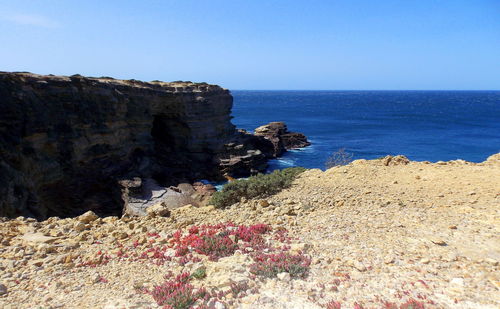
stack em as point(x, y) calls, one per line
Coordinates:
point(389, 259)
point(359, 266)
point(3, 289)
point(264, 203)
point(424, 261)
point(438, 241)
point(284, 276)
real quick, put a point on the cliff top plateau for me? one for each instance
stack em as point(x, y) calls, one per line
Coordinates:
point(182, 86)
point(386, 233)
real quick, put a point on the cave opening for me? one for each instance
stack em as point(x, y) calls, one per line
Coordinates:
point(171, 139)
point(161, 133)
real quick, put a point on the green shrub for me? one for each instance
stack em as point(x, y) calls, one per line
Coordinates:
point(258, 186)
point(200, 273)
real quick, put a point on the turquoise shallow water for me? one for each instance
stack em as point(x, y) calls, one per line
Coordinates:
point(422, 125)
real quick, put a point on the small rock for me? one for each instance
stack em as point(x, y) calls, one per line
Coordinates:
point(389, 259)
point(284, 276)
point(3, 289)
point(438, 241)
point(424, 261)
point(88, 217)
point(158, 210)
point(138, 284)
point(264, 203)
point(120, 235)
point(300, 247)
point(457, 281)
point(79, 226)
point(359, 266)
point(37, 238)
point(37, 263)
point(491, 261)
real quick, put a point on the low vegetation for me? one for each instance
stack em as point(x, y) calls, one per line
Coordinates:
point(259, 186)
point(177, 293)
point(270, 265)
point(217, 241)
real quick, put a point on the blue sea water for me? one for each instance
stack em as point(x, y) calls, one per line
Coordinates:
point(422, 125)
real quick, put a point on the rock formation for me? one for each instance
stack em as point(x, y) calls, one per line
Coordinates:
point(72, 144)
point(282, 140)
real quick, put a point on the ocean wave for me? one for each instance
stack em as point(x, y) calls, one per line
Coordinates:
point(281, 163)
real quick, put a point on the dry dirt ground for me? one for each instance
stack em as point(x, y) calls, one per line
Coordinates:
point(384, 233)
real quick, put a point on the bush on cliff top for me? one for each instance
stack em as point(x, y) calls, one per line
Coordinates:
point(258, 186)
point(339, 158)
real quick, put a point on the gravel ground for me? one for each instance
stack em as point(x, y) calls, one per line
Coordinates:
point(378, 232)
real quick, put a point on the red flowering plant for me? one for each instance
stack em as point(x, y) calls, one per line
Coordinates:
point(177, 293)
point(270, 265)
point(220, 240)
point(333, 305)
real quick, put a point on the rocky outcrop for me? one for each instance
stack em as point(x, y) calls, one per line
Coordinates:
point(282, 140)
point(245, 155)
point(73, 144)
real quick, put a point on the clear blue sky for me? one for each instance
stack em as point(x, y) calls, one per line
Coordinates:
point(377, 44)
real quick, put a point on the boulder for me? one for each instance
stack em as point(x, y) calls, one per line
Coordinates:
point(151, 193)
point(88, 217)
point(395, 160)
point(186, 188)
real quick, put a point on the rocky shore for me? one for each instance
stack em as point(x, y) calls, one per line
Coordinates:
point(69, 144)
point(386, 233)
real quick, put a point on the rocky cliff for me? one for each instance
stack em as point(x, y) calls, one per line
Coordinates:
point(72, 144)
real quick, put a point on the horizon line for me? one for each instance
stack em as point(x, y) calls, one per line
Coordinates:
point(362, 89)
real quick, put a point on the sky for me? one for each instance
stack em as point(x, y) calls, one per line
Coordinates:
point(253, 44)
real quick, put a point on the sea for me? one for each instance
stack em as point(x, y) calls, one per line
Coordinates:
point(422, 125)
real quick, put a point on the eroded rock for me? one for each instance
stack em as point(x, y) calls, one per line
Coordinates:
point(282, 139)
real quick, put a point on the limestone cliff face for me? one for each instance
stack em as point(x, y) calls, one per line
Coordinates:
point(66, 142)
